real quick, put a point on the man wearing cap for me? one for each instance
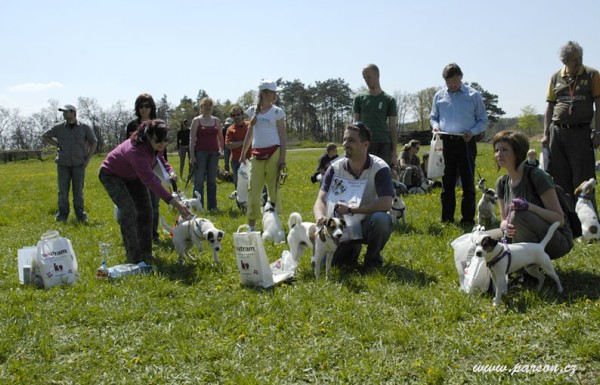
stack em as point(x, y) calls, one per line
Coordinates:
point(76, 143)
point(226, 152)
point(183, 144)
point(378, 111)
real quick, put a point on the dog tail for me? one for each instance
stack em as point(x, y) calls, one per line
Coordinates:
point(165, 225)
point(550, 233)
point(295, 219)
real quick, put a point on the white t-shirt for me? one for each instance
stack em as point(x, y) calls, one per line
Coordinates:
point(265, 133)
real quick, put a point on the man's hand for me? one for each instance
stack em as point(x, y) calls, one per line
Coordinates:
point(596, 139)
point(467, 136)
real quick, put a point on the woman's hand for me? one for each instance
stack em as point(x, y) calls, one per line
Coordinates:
point(183, 210)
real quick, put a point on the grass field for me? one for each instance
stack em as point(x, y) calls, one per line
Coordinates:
point(407, 323)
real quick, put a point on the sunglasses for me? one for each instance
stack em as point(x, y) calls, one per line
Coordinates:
point(145, 105)
point(235, 115)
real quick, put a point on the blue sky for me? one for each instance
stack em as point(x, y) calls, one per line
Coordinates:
point(115, 49)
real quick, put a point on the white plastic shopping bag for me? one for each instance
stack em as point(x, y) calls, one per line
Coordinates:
point(435, 167)
point(252, 260)
point(477, 275)
point(55, 261)
point(472, 271)
point(242, 184)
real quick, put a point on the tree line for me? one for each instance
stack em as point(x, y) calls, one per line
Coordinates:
point(316, 112)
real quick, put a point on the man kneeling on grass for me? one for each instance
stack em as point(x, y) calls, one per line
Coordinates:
point(360, 189)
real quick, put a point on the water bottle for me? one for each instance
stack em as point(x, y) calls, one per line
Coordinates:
point(102, 271)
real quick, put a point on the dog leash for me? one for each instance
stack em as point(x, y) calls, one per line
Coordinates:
point(505, 249)
point(189, 177)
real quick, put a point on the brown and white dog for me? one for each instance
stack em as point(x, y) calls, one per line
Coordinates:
point(192, 232)
point(503, 259)
point(302, 235)
point(326, 242)
point(590, 228)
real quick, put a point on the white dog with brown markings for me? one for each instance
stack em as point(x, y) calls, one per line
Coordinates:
point(326, 242)
point(271, 225)
point(590, 228)
point(302, 235)
point(503, 259)
point(192, 232)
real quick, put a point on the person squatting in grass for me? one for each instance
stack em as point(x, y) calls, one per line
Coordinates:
point(268, 139)
point(206, 136)
point(527, 218)
point(127, 174)
point(324, 161)
point(375, 176)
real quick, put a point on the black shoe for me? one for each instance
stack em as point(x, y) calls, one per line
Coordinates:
point(313, 178)
point(468, 224)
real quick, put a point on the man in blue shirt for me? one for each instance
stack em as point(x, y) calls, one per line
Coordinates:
point(459, 113)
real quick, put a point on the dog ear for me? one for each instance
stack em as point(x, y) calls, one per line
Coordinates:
point(343, 223)
point(220, 235)
point(321, 232)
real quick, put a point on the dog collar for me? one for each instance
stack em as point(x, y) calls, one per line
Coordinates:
point(582, 196)
point(504, 252)
point(395, 209)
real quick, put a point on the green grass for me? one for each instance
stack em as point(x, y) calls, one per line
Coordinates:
point(408, 323)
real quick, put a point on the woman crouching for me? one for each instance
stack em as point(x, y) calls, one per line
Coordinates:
point(527, 196)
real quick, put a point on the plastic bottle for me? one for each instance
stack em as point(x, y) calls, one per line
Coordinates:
point(102, 271)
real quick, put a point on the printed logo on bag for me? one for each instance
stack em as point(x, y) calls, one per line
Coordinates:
point(245, 249)
point(245, 265)
point(54, 253)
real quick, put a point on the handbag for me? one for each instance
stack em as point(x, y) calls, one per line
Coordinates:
point(55, 261)
point(252, 260)
point(435, 166)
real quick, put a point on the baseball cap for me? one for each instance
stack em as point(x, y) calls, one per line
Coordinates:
point(267, 84)
point(228, 121)
point(68, 107)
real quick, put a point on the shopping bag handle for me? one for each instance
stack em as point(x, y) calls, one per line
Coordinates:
point(50, 234)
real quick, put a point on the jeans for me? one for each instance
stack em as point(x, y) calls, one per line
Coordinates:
point(68, 176)
point(376, 230)
point(206, 165)
point(235, 165)
point(183, 152)
point(132, 198)
point(226, 158)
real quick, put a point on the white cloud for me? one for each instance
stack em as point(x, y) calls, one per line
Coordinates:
point(35, 87)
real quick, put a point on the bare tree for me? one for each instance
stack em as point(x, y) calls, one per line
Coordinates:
point(420, 105)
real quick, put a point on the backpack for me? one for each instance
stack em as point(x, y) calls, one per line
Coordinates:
point(566, 204)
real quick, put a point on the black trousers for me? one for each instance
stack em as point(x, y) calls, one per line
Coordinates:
point(459, 159)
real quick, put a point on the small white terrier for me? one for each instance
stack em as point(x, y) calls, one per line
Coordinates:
point(271, 225)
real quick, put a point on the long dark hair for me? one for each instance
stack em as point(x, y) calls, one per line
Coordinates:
point(156, 128)
point(145, 98)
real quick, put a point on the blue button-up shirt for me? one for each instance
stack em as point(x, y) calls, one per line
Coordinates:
point(459, 112)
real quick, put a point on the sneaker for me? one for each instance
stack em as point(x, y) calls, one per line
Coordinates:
point(60, 219)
